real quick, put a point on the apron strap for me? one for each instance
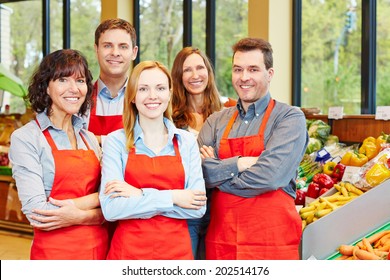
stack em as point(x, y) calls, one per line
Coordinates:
point(267, 113)
point(51, 142)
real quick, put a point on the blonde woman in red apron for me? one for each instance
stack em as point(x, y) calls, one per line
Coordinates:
point(251, 154)
point(56, 163)
point(151, 174)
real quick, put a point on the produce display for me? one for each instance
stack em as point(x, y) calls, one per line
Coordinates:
point(375, 246)
point(345, 192)
point(330, 177)
point(8, 123)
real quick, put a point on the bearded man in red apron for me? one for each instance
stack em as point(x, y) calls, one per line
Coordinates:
point(250, 156)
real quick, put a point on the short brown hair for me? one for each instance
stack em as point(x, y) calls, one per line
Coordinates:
point(115, 23)
point(250, 44)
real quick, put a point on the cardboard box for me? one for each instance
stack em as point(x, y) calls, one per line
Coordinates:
point(346, 224)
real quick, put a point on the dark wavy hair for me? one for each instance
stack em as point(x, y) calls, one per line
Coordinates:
point(61, 63)
point(181, 114)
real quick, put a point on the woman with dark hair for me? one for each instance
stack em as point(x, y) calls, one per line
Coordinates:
point(56, 163)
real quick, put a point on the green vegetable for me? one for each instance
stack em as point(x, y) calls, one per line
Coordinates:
point(332, 139)
point(314, 145)
point(308, 123)
point(320, 130)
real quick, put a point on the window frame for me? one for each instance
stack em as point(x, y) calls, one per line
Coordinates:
point(368, 56)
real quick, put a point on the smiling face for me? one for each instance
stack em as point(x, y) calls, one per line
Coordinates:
point(153, 94)
point(115, 52)
point(195, 74)
point(67, 94)
point(250, 78)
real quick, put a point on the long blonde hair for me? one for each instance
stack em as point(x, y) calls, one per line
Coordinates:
point(130, 110)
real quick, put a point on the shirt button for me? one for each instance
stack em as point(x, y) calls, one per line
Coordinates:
point(257, 115)
point(232, 174)
point(246, 122)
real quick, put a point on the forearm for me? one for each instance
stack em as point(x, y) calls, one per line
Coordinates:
point(87, 202)
point(152, 202)
point(93, 217)
point(217, 172)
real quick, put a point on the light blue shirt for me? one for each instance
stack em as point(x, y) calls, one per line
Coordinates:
point(106, 105)
point(33, 163)
point(153, 201)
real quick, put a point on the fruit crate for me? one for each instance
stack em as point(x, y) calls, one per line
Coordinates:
point(351, 222)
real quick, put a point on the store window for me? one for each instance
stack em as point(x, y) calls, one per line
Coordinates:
point(21, 46)
point(331, 55)
point(228, 32)
point(84, 19)
point(383, 53)
point(161, 32)
point(21, 39)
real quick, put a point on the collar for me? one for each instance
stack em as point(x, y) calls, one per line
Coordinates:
point(105, 92)
point(257, 108)
point(139, 134)
point(45, 122)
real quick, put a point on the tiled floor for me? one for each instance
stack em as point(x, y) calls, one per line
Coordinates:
point(14, 246)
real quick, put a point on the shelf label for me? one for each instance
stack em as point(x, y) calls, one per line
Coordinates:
point(351, 174)
point(335, 113)
point(382, 113)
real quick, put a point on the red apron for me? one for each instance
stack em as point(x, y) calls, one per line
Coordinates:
point(159, 237)
point(77, 173)
point(102, 125)
point(264, 227)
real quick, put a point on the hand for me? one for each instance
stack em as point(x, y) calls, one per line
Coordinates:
point(206, 152)
point(66, 215)
point(120, 188)
point(189, 199)
point(244, 163)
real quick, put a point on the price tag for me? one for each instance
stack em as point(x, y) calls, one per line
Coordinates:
point(382, 113)
point(335, 113)
point(351, 174)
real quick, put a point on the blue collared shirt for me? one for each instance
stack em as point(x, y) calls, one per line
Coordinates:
point(153, 202)
point(285, 141)
point(33, 163)
point(106, 105)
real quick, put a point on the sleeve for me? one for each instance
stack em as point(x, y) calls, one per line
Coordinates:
point(94, 144)
point(153, 201)
point(194, 178)
point(278, 163)
point(215, 170)
point(27, 170)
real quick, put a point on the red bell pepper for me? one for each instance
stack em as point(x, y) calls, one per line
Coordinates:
point(300, 197)
point(323, 180)
point(322, 191)
point(313, 190)
point(338, 171)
